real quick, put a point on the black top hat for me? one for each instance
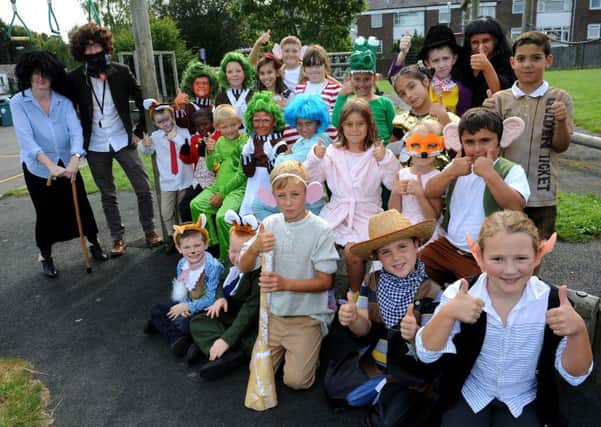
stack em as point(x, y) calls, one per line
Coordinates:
point(439, 35)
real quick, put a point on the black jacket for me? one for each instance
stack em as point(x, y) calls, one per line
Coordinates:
point(123, 86)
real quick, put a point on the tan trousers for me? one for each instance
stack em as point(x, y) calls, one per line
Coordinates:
point(297, 339)
point(170, 201)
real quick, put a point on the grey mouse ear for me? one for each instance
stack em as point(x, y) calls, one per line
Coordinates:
point(451, 137)
point(513, 127)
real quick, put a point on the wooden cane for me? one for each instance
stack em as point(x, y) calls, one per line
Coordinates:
point(82, 242)
point(260, 391)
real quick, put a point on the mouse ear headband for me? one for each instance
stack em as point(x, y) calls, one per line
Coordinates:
point(513, 127)
point(152, 106)
point(314, 190)
point(277, 51)
point(245, 224)
point(198, 225)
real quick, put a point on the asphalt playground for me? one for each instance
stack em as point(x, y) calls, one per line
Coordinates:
point(83, 332)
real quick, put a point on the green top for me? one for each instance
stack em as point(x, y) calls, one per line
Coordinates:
point(382, 109)
point(225, 161)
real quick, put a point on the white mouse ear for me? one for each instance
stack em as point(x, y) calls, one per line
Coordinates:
point(303, 50)
point(277, 51)
point(451, 137)
point(251, 221)
point(231, 217)
point(202, 220)
point(513, 127)
point(149, 102)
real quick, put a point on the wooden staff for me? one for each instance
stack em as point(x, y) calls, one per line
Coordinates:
point(260, 391)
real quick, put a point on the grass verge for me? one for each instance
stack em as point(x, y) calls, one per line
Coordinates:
point(23, 399)
point(578, 217)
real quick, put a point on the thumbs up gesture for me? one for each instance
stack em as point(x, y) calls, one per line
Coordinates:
point(479, 61)
point(379, 150)
point(489, 102)
point(438, 110)
point(415, 186)
point(146, 140)
point(265, 240)
point(347, 314)
point(180, 99)
point(465, 307)
point(405, 43)
point(409, 325)
point(461, 165)
point(563, 320)
point(320, 149)
point(558, 108)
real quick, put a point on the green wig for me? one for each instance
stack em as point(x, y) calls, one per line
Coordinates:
point(198, 69)
point(263, 101)
point(249, 72)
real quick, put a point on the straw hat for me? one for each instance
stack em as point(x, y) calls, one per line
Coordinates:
point(390, 226)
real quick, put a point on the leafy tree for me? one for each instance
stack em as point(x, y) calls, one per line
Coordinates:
point(114, 13)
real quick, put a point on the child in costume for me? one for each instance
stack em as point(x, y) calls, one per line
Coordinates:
point(309, 115)
point(174, 175)
point(236, 77)
point(362, 84)
point(485, 40)
point(304, 261)
point(195, 153)
point(316, 68)
point(423, 143)
point(226, 333)
point(446, 59)
point(228, 189)
point(265, 122)
point(391, 304)
point(199, 82)
point(548, 114)
point(269, 77)
point(354, 169)
point(501, 336)
point(197, 278)
point(475, 184)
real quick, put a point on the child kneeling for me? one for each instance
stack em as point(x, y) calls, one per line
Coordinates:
point(304, 260)
point(501, 335)
point(194, 287)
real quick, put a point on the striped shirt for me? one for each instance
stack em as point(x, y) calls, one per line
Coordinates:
point(328, 94)
point(506, 366)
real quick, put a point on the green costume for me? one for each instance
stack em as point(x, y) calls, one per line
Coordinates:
point(230, 183)
point(381, 108)
point(239, 325)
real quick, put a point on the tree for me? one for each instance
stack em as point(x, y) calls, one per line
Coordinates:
point(326, 22)
point(208, 24)
point(114, 13)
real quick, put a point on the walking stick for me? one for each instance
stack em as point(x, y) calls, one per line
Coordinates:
point(82, 242)
point(260, 391)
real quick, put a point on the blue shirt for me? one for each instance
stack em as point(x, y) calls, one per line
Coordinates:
point(57, 134)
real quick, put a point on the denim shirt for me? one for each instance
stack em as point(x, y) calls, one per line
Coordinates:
point(57, 134)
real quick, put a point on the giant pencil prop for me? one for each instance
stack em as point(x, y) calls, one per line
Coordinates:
point(260, 392)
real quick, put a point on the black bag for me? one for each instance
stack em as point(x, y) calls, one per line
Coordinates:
point(342, 377)
point(400, 406)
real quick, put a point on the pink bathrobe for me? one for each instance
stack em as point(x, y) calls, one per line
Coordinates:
point(356, 191)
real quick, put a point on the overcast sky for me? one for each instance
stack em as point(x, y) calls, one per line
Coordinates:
point(35, 14)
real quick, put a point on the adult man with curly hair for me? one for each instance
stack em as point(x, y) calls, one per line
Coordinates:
point(101, 90)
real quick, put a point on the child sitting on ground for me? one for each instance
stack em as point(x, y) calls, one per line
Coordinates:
point(548, 114)
point(226, 332)
point(389, 300)
point(354, 169)
point(197, 278)
point(500, 336)
point(475, 184)
point(174, 175)
point(304, 261)
point(195, 153)
point(227, 191)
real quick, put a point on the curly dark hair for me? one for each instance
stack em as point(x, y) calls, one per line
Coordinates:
point(45, 63)
point(88, 34)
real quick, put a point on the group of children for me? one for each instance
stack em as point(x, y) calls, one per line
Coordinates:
point(302, 168)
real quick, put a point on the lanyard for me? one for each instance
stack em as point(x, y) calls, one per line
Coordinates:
point(100, 106)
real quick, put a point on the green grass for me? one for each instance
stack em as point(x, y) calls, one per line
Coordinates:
point(23, 399)
point(385, 86)
point(578, 217)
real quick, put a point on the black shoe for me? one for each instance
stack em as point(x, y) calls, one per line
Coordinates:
point(149, 328)
point(219, 367)
point(194, 355)
point(179, 347)
point(98, 253)
point(48, 267)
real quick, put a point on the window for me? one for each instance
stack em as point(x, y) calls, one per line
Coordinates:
point(556, 34)
point(517, 7)
point(594, 4)
point(444, 15)
point(376, 20)
point(408, 21)
point(550, 6)
point(593, 31)
point(515, 32)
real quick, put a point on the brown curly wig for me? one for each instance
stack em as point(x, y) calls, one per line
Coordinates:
point(88, 34)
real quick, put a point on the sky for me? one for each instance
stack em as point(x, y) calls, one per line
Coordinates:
point(35, 14)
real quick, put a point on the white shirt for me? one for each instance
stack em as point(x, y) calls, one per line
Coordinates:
point(536, 93)
point(505, 369)
point(112, 133)
point(467, 208)
point(292, 77)
point(315, 87)
point(410, 205)
point(161, 145)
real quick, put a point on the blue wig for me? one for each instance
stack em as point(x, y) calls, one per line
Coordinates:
point(308, 107)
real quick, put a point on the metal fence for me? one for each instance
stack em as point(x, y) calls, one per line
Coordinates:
point(577, 55)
